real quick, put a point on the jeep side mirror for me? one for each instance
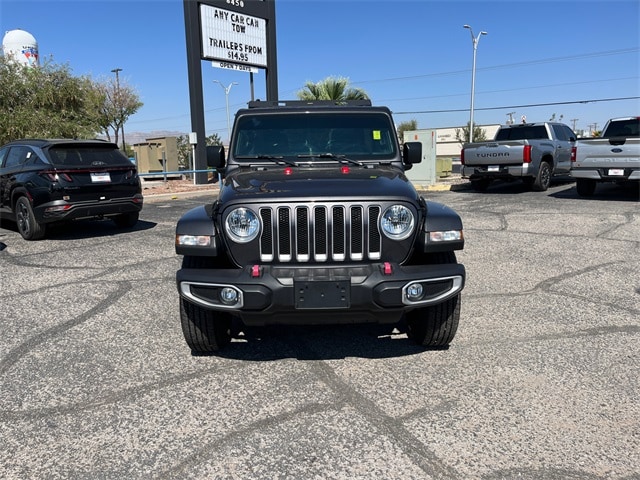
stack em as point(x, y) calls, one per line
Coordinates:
point(411, 153)
point(215, 156)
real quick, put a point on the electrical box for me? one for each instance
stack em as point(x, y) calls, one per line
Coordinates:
point(423, 173)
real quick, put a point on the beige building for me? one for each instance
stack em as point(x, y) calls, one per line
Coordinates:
point(156, 155)
point(447, 146)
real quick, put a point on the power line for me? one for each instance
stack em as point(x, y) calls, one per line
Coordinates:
point(521, 106)
point(459, 72)
point(508, 65)
point(483, 92)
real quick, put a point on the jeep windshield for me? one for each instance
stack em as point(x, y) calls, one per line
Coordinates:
point(315, 137)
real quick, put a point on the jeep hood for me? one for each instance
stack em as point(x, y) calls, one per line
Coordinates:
point(335, 182)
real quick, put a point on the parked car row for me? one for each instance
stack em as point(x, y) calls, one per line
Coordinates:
point(535, 152)
point(43, 182)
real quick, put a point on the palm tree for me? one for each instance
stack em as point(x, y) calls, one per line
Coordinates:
point(331, 88)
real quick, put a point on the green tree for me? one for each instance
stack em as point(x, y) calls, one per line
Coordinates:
point(406, 127)
point(184, 148)
point(479, 135)
point(116, 102)
point(331, 88)
point(47, 101)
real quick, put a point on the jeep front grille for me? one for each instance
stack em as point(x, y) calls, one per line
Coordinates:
point(320, 233)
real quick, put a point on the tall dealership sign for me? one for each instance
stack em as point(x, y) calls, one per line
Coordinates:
point(235, 34)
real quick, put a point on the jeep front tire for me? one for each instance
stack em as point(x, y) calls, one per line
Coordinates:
point(205, 331)
point(434, 326)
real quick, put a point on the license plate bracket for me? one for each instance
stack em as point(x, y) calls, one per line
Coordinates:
point(324, 294)
point(100, 177)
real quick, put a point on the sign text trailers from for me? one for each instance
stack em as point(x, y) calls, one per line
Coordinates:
point(233, 37)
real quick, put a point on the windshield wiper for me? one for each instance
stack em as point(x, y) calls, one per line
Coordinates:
point(340, 158)
point(274, 158)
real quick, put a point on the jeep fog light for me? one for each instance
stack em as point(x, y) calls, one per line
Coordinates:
point(397, 222)
point(229, 296)
point(447, 236)
point(414, 292)
point(242, 225)
point(193, 240)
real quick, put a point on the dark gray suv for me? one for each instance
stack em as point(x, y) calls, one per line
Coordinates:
point(47, 181)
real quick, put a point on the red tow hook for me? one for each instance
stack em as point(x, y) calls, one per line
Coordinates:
point(387, 270)
point(256, 271)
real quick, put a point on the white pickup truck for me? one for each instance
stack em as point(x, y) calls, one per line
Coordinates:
point(532, 152)
point(612, 157)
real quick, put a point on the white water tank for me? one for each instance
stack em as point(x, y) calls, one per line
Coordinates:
point(21, 46)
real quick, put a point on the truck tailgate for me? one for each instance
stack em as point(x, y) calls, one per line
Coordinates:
point(491, 153)
point(602, 152)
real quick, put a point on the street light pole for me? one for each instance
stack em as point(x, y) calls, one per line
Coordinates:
point(117, 71)
point(475, 41)
point(227, 89)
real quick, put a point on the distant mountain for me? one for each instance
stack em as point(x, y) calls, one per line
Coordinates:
point(131, 138)
point(139, 137)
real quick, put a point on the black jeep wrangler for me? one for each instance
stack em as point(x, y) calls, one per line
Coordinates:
point(316, 223)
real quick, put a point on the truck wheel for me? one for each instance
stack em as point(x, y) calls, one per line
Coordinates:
point(126, 220)
point(481, 185)
point(28, 226)
point(434, 326)
point(543, 180)
point(585, 186)
point(205, 331)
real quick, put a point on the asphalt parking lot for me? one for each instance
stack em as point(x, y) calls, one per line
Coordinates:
point(541, 381)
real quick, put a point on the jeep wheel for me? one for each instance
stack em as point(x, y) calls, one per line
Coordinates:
point(585, 186)
point(28, 226)
point(126, 220)
point(543, 180)
point(434, 326)
point(205, 331)
point(481, 185)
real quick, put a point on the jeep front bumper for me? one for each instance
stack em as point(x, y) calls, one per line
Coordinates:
point(265, 294)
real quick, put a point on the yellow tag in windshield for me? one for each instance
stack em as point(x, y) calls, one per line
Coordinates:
point(376, 134)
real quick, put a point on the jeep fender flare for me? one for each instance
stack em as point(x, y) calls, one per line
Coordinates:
point(439, 217)
point(198, 222)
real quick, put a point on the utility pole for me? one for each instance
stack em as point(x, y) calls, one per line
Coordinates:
point(475, 41)
point(119, 104)
point(573, 123)
point(227, 89)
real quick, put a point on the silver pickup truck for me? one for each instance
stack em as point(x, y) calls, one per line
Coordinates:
point(532, 152)
point(612, 157)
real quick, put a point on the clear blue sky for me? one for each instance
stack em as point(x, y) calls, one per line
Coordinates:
point(413, 56)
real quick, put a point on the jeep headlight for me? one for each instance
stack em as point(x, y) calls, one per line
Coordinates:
point(242, 225)
point(397, 222)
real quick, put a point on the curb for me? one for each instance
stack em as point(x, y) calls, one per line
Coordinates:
point(444, 187)
point(151, 197)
